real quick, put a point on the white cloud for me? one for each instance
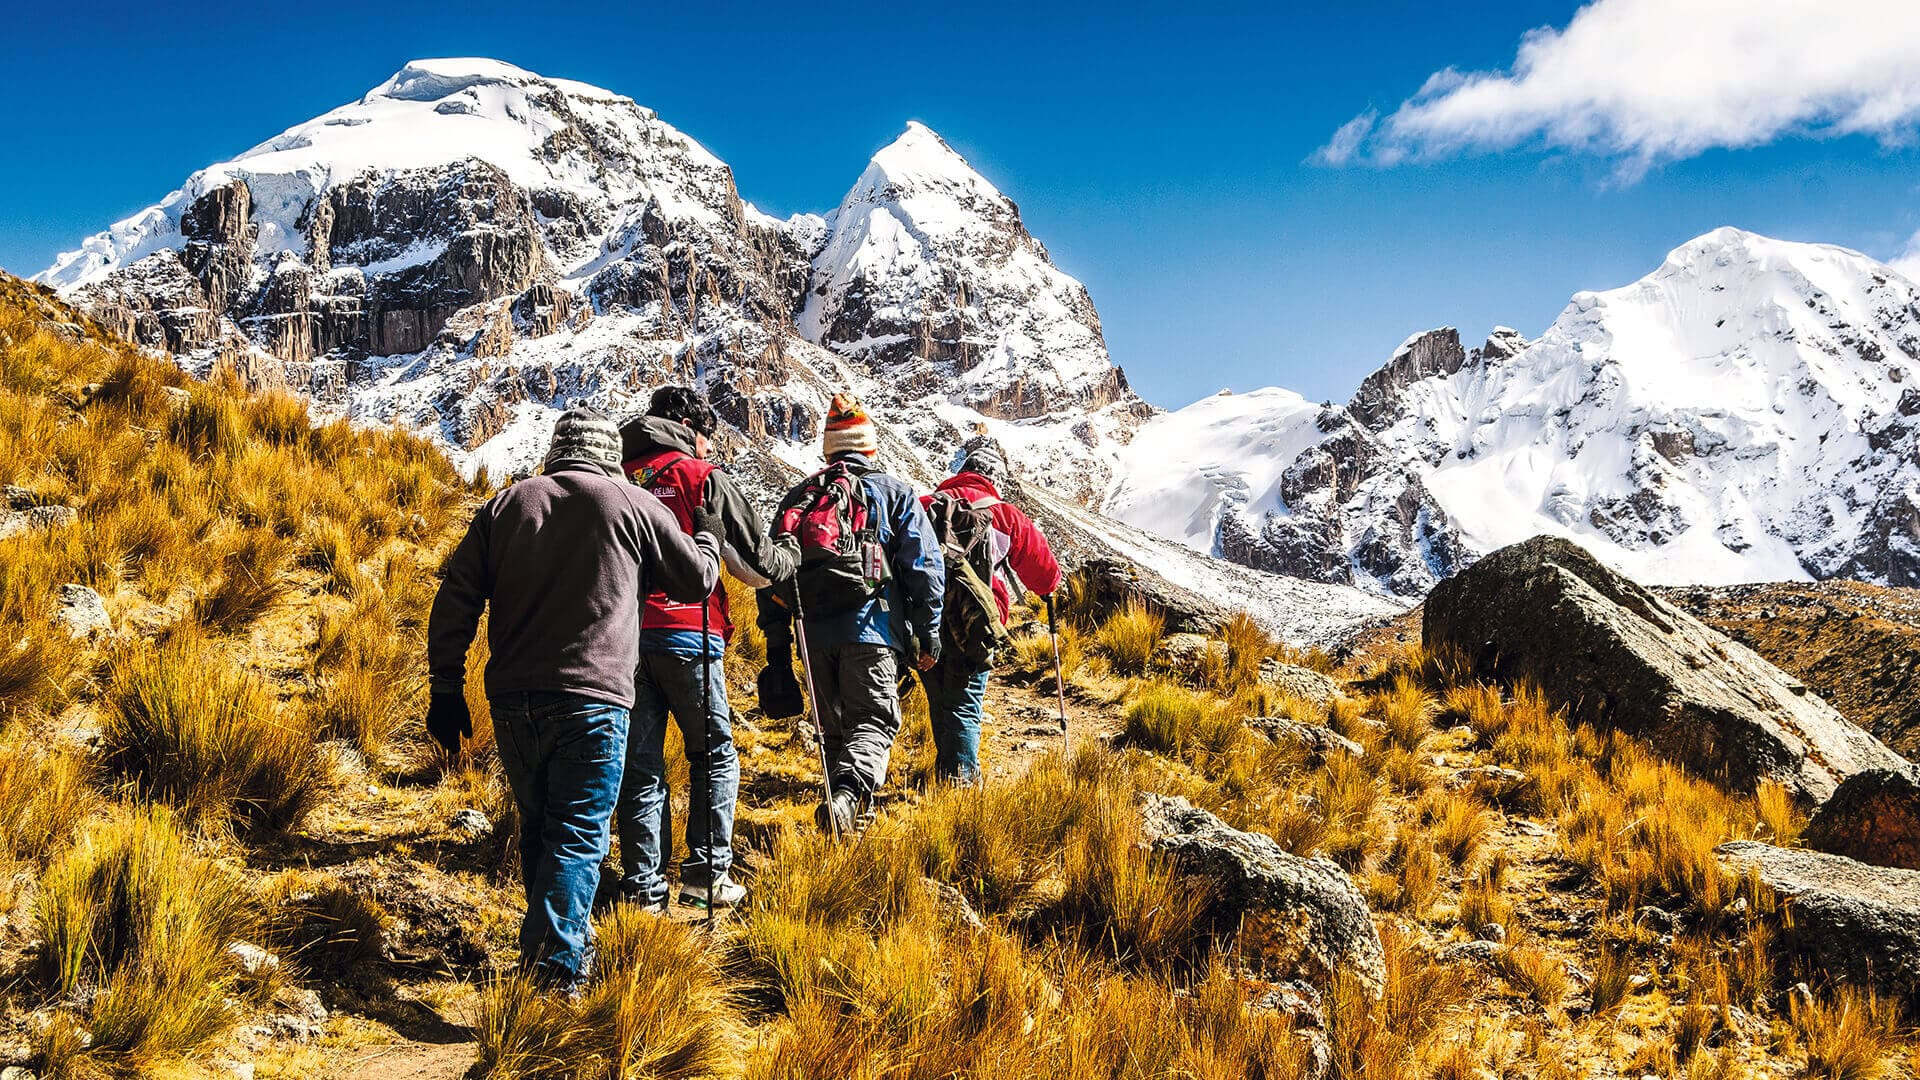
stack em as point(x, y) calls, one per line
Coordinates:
point(1908, 261)
point(1648, 81)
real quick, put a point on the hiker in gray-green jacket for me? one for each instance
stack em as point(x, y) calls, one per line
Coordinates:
point(561, 562)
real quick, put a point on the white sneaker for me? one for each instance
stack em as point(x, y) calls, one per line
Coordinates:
point(724, 893)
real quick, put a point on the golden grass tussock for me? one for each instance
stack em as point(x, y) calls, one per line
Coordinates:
point(1391, 1039)
point(188, 728)
point(657, 1005)
point(133, 916)
point(1129, 637)
point(1847, 1035)
point(46, 794)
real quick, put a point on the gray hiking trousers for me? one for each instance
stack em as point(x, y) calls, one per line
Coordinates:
point(859, 699)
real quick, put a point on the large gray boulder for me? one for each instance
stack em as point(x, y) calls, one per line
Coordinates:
point(1296, 918)
point(1619, 656)
point(1873, 817)
point(1857, 920)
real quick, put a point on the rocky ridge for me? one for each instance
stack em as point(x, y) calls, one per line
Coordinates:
point(471, 246)
point(1652, 423)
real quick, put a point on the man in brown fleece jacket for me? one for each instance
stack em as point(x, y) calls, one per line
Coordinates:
point(564, 559)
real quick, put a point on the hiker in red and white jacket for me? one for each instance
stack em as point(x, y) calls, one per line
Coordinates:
point(1020, 555)
point(665, 452)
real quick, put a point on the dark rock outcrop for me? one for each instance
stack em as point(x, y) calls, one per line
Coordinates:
point(1856, 920)
point(1436, 352)
point(1619, 656)
point(1873, 817)
point(1294, 917)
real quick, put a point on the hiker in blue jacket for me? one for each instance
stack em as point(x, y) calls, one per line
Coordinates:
point(856, 638)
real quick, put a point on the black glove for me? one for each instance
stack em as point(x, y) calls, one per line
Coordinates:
point(708, 520)
point(779, 692)
point(448, 719)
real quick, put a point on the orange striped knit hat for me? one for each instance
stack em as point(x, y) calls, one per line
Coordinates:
point(849, 428)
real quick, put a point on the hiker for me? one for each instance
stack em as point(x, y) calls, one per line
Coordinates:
point(562, 561)
point(682, 646)
point(868, 594)
point(988, 544)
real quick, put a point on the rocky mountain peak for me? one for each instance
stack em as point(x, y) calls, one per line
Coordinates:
point(470, 245)
point(920, 163)
point(1436, 352)
point(1745, 412)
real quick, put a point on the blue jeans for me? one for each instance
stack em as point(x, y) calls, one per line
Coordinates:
point(954, 701)
point(562, 754)
point(670, 684)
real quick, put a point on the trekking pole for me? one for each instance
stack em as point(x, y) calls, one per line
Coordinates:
point(1059, 681)
point(706, 747)
point(813, 708)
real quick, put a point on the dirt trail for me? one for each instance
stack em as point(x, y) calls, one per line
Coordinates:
point(413, 1061)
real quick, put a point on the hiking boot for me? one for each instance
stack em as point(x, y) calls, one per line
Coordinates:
point(639, 900)
point(723, 893)
point(841, 816)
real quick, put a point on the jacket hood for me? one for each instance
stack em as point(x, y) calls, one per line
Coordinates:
point(968, 481)
point(645, 435)
point(574, 464)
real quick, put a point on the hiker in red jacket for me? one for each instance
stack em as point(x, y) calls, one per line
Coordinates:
point(1013, 552)
point(682, 668)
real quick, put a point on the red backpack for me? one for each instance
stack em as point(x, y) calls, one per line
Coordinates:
point(841, 563)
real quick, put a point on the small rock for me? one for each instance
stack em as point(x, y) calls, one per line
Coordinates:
point(469, 824)
point(1492, 931)
point(176, 398)
point(1292, 917)
point(953, 905)
point(1491, 778)
point(1319, 1058)
point(81, 612)
point(1471, 952)
point(1316, 739)
point(1656, 919)
point(1303, 683)
point(1854, 919)
point(237, 1070)
point(1184, 652)
point(14, 522)
point(255, 962)
point(1637, 983)
point(305, 1017)
point(15, 1072)
point(19, 498)
point(1873, 817)
point(1296, 1000)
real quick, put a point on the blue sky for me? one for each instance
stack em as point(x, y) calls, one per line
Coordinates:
point(1171, 160)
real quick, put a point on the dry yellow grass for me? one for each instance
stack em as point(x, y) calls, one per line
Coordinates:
point(143, 924)
point(190, 730)
point(1092, 958)
point(1130, 636)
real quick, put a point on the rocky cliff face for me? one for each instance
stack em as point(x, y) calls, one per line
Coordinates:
point(929, 280)
point(1745, 413)
point(470, 246)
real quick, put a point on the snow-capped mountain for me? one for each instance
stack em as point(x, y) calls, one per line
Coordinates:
point(471, 246)
point(928, 278)
point(1744, 413)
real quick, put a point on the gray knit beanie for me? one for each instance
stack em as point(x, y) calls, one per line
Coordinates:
point(584, 433)
point(984, 459)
